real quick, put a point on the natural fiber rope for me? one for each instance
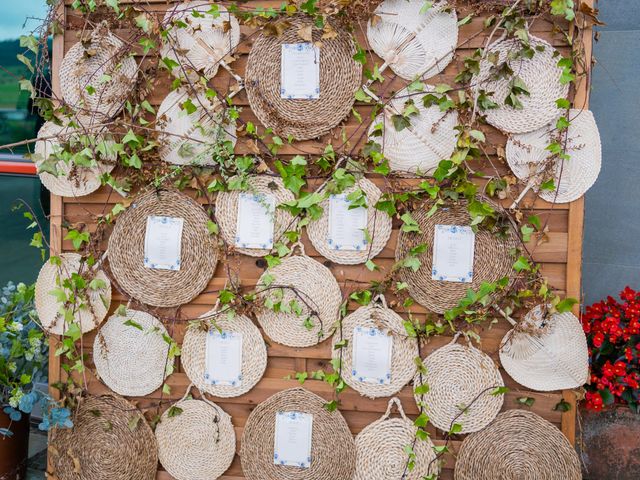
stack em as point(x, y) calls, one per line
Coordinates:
point(340, 78)
point(456, 375)
point(131, 361)
point(379, 226)
point(110, 439)
point(199, 255)
point(492, 258)
point(403, 353)
point(518, 445)
point(381, 453)
point(227, 211)
point(86, 315)
point(333, 452)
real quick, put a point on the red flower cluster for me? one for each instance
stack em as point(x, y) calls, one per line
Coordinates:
point(613, 337)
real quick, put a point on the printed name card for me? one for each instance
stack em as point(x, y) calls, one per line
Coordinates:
point(255, 223)
point(346, 226)
point(453, 248)
point(223, 358)
point(300, 71)
point(292, 444)
point(163, 243)
point(371, 354)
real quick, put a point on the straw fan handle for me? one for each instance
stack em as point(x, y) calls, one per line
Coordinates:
point(394, 401)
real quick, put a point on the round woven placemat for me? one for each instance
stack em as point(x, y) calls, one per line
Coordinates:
point(530, 160)
point(198, 443)
point(540, 74)
point(316, 291)
point(518, 445)
point(379, 226)
point(414, 44)
point(198, 260)
point(89, 312)
point(381, 451)
point(131, 358)
point(85, 68)
point(546, 352)
point(254, 354)
point(403, 353)
point(340, 78)
point(227, 211)
point(110, 439)
point(333, 452)
point(460, 377)
point(492, 258)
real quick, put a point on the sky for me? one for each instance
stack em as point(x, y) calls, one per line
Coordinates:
point(15, 12)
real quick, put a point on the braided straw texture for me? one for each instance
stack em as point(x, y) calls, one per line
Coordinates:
point(110, 439)
point(199, 255)
point(548, 353)
point(254, 354)
point(88, 65)
point(340, 78)
point(381, 453)
point(131, 361)
point(379, 226)
point(333, 452)
point(456, 376)
point(518, 445)
point(530, 160)
point(89, 312)
point(420, 147)
point(540, 74)
point(204, 43)
point(197, 444)
point(313, 287)
point(414, 44)
point(227, 211)
point(72, 180)
point(403, 353)
point(192, 139)
point(492, 258)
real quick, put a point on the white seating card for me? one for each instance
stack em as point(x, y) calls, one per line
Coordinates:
point(163, 243)
point(223, 358)
point(346, 226)
point(371, 355)
point(255, 223)
point(300, 71)
point(453, 248)
point(292, 445)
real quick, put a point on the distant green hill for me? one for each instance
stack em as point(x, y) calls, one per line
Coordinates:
point(10, 73)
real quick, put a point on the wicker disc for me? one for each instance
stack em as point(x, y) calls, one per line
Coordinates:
point(379, 226)
point(227, 211)
point(420, 147)
point(556, 358)
point(414, 44)
point(381, 451)
point(197, 444)
point(313, 287)
point(129, 360)
point(528, 157)
point(110, 439)
point(340, 77)
point(403, 353)
point(333, 452)
point(254, 355)
point(86, 66)
point(518, 445)
point(207, 129)
point(163, 288)
point(456, 375)
point(88, 314)
point(540, 74)
point(492, 258)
